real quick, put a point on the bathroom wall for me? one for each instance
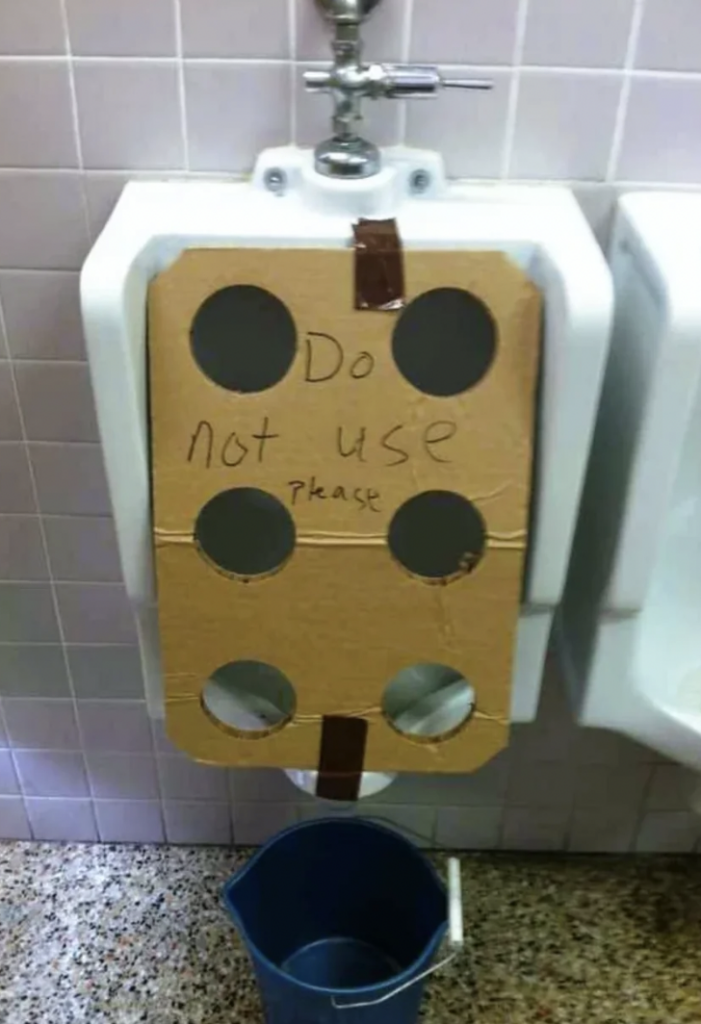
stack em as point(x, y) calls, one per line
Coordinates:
point(603, 94)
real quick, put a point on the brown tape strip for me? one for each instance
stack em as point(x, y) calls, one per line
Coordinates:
point(341, 758)
point(379, 266)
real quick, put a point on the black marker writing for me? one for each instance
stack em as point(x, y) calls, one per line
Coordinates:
point(322, 368)
point(363, 366)
point(203, 428)
point(438, 433)
point(403, 456)
point(263, 437)
point(358, 447)
point(243, 450)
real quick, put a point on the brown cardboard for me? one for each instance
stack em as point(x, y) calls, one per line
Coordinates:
point(341, 618)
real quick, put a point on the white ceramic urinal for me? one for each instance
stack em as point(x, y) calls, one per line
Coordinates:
point(543, 231)
point(630, 627)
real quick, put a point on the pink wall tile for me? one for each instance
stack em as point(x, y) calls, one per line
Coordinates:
point(129, 821)
point(62, 820)
point(14, 823)
point(481, 32)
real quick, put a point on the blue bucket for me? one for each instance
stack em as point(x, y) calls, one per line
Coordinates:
point(335, 913)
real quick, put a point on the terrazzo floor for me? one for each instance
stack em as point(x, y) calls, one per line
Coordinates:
point(125, 934)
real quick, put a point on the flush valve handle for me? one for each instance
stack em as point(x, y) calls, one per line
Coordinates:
point(349, 81)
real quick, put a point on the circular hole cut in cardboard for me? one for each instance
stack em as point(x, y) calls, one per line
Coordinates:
point(438, 536)
point(249, 699)
point(428, 703)
point(245, 533)
point(445, 342)
point(244, 338)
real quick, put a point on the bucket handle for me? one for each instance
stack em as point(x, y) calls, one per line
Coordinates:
point(456, 941)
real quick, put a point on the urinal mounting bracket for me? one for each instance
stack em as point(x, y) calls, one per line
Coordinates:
point(350, 81)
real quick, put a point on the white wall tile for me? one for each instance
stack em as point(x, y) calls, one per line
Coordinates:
point(244, 28)
point(670, 36)
point(479, 32)
point(578, 33)
point(129, 115)
point(468, 128)
point(661, 141)
point(225, 133)
point(564, 125)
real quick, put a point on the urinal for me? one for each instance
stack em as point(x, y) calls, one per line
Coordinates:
point(298, 199)
point(628, 630)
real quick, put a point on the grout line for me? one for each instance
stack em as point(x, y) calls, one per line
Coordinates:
point(62, 583)
point(624, 99)
point(75, 116)
point(182, 93)
point(55, 643)
point(512, 112)
point(582, 69)
point(642, 810)
point(294, 69)
point(403, 116)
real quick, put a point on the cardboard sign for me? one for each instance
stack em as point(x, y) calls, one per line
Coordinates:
point(339, 495)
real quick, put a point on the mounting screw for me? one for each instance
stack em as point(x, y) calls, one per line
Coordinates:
point(275, 180)
point(419, 182)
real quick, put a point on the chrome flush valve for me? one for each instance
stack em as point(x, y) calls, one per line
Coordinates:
point(350, 81)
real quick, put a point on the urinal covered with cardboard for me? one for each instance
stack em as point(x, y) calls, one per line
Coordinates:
point(345, 423)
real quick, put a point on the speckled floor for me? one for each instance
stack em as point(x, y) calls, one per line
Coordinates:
point(119, 935)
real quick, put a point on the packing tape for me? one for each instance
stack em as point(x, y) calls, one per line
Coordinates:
point(379, 266)
point(515, 541)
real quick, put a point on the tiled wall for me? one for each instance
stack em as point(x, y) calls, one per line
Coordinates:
point(601, 93)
